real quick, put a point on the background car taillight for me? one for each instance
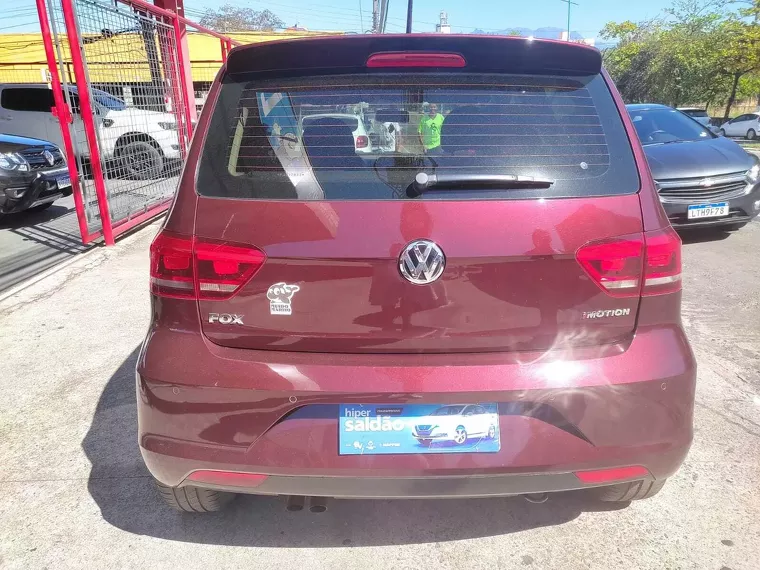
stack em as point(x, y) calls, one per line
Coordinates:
point(362, 141)
point(619, 265)
point(195, 268)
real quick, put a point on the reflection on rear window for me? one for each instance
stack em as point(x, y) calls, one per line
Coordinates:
point(296, 139)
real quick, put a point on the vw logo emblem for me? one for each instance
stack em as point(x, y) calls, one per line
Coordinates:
point(421, 262)
point(49, 157)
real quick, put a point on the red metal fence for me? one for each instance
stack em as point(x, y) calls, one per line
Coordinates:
point(123, 96)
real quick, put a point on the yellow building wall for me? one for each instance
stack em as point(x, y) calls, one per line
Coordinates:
point(121, 58)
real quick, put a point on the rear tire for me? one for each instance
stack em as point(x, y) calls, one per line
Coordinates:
point(460, 436)
point(751, 135)
point(194, 499)
point(140, 160)
point(633, 491)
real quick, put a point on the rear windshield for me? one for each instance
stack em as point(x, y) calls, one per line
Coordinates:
point(696, 113)
point(294, 138)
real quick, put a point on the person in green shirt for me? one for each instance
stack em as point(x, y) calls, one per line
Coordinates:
point(430, 130)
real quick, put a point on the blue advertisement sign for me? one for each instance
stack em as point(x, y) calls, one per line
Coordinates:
point(372, 429)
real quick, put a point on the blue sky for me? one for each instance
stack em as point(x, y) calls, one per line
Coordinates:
point(464, 16)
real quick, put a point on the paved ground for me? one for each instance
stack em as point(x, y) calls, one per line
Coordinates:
point(78, 496)
point(31, 242)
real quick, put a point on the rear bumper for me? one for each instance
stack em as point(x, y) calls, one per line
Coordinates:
point(275, 413)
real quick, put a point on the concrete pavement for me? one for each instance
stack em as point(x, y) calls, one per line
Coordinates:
point(78, 496)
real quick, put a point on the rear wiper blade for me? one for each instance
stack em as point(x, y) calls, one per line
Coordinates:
point(424, 182)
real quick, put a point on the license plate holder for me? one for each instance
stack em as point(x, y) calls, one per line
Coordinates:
point(63, 182)
point(377, 429)
point(714, 210)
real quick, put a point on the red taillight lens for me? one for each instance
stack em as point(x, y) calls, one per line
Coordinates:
point(171, 266)
point(610, 475)
point(662, 265)
point(188, 268)
point(415, 59)
point(646, 264)
point(223, 268)
point(362, 141)
point(614, 265)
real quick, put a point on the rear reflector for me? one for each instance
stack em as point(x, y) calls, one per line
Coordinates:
point(194, 268)
point(627, 266)
point(611, 475)
point(415, 59)
point(227, 478)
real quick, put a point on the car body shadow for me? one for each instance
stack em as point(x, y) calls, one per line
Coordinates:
point(123, 490)
point(689, 237)
point(30, 218)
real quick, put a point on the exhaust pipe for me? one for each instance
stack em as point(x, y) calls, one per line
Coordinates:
point(318, 504)
point(295, 503)
point(536, 498)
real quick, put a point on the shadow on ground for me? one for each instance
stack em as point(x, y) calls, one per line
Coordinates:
point(704, 235)
point(123, 489)
point(31, 218)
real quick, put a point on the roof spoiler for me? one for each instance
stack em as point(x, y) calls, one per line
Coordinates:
point(351, 54)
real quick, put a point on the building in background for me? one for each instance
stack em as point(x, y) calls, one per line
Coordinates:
point(443, 26)
point(22, 60)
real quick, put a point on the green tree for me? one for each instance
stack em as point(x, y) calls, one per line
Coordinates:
point(229, 18)
point(699, 52)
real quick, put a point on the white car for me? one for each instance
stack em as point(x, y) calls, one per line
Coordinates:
point(747, 126)
point(457, 423)
point(699, 115)
point(139, 142)
point(354, 122)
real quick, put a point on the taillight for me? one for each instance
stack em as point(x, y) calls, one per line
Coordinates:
point(662, 265)
point(415, 59)
point(362, 141)
point(171, 266)
point(195, 268)
point(627, 266)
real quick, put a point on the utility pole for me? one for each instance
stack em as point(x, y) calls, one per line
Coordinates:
point(409, 17)
point(375, 16)
point(569, 3)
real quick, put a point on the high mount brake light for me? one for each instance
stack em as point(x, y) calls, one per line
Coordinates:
point(626, 266)
point(415, 59)
point(196, 268)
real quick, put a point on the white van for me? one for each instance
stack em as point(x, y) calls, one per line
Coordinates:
point(139, 142)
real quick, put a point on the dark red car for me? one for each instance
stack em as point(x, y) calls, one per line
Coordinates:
point(486, 304)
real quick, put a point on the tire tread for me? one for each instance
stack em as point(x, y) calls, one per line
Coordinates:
point(194, 499)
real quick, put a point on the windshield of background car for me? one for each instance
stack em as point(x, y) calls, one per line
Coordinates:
point(564, 129)
point(448, 411)
point(658, 126)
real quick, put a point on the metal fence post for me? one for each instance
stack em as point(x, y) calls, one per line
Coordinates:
point(63, 114)
point(182, 72)
point(88, 117)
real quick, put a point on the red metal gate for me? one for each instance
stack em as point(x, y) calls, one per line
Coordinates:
point(124, 100)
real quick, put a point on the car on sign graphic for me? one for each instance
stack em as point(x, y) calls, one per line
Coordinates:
point(313, 305)
point(456, 424)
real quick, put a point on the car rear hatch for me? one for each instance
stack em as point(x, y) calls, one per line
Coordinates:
point(531, 197)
